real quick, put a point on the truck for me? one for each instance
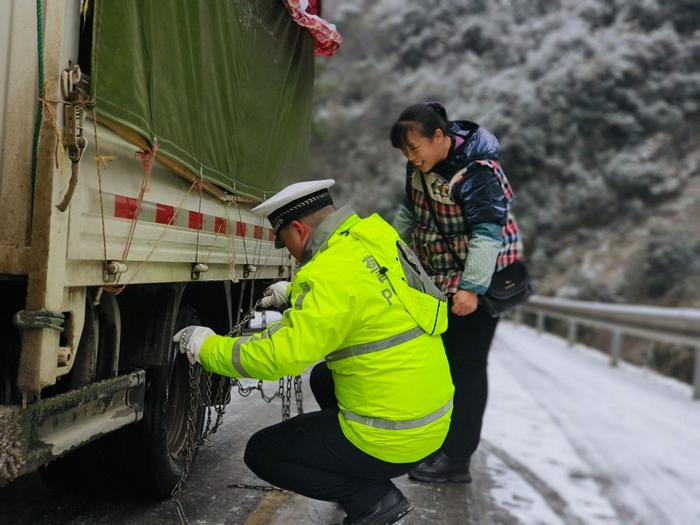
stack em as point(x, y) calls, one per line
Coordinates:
point(137, 135)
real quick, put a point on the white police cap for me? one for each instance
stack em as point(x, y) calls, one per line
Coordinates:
point(293, 202)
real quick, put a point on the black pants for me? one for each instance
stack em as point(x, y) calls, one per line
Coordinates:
point(467, 342)
point(310, 455)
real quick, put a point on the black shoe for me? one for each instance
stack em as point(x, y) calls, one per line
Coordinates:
point(440, 468)
point(390, 509)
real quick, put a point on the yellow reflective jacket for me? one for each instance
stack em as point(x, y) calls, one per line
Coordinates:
point(362, 302)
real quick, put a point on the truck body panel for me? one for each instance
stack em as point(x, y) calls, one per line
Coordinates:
point(124, 226)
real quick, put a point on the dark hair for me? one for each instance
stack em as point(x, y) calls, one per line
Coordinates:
point(425, 118)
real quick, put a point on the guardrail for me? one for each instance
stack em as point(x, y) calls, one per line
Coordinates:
point(670, 325)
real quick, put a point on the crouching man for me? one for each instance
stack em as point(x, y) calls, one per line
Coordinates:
point(362, 305)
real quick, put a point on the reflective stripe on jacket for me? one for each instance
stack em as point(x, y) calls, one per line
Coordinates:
point(362, 302)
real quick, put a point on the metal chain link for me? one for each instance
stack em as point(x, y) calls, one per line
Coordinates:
point(219, 402)
point(195, 400)
point(298, 395)
point(286, 391)
point(238, 328)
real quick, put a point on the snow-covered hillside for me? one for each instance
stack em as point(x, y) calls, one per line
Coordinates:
point(596, 103)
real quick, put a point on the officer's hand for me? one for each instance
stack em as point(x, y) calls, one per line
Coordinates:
point(191, 339)
point(464, 302)
point(275, 295)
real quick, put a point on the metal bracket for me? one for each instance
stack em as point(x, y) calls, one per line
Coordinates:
point(65, 356)
point(198, 269)
point(70, 78)
point(112, 269)
point(228, 198)
point(73, 139)
point(248, 269)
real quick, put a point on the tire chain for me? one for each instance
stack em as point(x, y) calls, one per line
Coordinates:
point(220, 401)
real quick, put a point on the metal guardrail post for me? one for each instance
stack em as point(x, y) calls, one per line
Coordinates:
point(518, 316)
point(696, 374)
point(540, 322)
point(573, 329)
point(678, 326)
point(615, 346)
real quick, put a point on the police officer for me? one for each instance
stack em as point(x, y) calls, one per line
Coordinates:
point(361, 304)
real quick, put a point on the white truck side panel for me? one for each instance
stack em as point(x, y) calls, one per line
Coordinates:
point(18, 103)
point(224, 236)
point(229, 253)
point(61, 253)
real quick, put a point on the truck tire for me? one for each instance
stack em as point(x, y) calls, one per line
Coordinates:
point(85, 367)
point(149, 455)
point(110, 337)
point(164, 426)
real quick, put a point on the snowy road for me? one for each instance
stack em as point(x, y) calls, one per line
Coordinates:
point(600, 445)
point(567, 441)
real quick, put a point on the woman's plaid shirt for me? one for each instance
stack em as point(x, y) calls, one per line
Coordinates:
point(430, 247)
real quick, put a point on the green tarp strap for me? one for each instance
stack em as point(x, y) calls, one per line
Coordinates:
point(223, 86)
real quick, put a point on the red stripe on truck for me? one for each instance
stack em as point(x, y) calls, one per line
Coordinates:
point(196, 220)
point(164, 214)
point(220, 225)
point(125, 207)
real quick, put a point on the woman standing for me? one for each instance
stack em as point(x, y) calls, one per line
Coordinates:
point(456, 213)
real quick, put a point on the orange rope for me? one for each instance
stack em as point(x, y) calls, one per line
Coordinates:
point(117, 289)
point(199, 210)
point(51, 111)
point(217, 231)
point(147, 158)
point(98, 161)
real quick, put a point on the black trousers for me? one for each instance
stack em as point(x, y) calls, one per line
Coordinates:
point(467, 342)
point(310, 455)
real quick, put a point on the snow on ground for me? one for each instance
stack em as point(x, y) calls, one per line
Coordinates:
point(516, 495)
point(606, 445)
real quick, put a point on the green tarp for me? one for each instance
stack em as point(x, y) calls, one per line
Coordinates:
point(224, 86)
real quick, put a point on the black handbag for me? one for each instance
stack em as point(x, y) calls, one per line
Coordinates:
point(509, 287)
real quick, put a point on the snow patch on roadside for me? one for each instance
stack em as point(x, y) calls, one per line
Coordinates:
point(517, 496)
point(515, 422)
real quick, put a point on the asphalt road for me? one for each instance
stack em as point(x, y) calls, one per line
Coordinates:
point(221, 490)
point(206, 498)
point(216, 492)
point(567, 440)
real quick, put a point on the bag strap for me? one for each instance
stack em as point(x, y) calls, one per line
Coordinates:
point(433, 215)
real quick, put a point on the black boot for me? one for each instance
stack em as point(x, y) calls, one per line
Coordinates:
point(440, 468)
point(390, 509)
